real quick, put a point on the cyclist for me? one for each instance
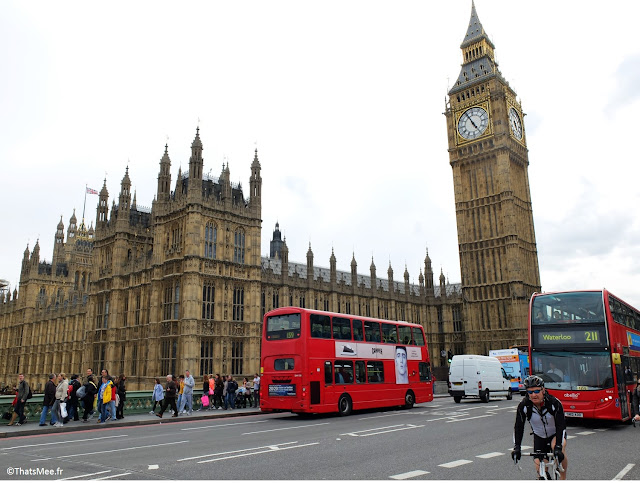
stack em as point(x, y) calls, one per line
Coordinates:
point(546, 417)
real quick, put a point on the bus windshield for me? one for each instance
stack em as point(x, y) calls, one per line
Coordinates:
point(573, 370)
point(586, 307)
point(284, 326)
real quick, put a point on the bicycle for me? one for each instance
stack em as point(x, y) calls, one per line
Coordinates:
point(547, 468)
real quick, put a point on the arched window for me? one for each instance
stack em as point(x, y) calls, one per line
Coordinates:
point(238, 246)
point(208, 299)
point(210, 240)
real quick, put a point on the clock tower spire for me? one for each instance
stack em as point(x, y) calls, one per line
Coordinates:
point(489, 158)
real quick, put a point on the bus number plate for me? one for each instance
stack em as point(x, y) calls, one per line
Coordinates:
point(574, 415)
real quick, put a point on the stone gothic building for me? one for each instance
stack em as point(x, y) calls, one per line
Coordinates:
point(182, 285)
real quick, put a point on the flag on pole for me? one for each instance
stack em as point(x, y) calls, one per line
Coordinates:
point(92, 191)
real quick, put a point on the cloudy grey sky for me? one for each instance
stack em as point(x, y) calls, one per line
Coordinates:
point(344, 102)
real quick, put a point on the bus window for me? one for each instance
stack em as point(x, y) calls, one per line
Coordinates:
point(320, 326)
point(372, 331)
point(404, 334)
point(341, 328)
point(283, 327)
point(283, 364)
point(328, 372)
point(375, 371)
point(343, 371)
point(418, 336)
point(425, 371)
point(361, 375)
point(357, 330)
point(389, 334)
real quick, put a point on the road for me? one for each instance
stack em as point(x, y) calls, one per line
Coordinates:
point(439, 440)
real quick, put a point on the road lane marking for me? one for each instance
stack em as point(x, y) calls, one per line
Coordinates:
point(234, 451)
point(624, 471)
point(385, 429)
point(522, 448)
point(153, 467)
point(489, 455)
point(84, 476)
point(467, 419)
point(120, 449)
point(584, 433)
point(571, 436)
point(409, 474)
point(455, 463)
point(58, 442)
point(200, 428)
point(270, 450)
point(283, 429)
point(112, 476)
point(383, 415)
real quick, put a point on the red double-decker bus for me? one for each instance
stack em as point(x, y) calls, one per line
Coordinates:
point(586, 347)
point(321, 362)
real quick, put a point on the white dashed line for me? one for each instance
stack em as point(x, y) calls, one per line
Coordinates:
point(570, 436)
point(112, 476)
point(584, 433)
point(489, 455)
point(84, 476)
point(626, 470)
point(455, 463)
point(153, 467)
point(409, 474)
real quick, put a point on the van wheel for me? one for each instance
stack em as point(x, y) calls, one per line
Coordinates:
point(509, 395)
point(457, 399)
point(409, 400)
point(485, 397)
point(345, 405)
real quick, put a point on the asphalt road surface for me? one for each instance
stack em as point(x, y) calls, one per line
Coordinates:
point(439, 440)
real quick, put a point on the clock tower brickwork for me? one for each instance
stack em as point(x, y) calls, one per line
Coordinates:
point(496, 238)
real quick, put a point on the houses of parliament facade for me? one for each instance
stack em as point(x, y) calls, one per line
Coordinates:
point(184, 285)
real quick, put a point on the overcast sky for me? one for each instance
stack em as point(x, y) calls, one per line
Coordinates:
point(344, 102)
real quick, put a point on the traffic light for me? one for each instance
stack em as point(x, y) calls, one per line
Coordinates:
point(449, 356)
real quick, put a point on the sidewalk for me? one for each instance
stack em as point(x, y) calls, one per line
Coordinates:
point(31, 427)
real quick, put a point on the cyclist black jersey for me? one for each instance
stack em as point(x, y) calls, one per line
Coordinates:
point(545, 422)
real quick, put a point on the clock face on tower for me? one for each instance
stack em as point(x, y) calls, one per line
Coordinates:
point(473, 123)
point(515, 123)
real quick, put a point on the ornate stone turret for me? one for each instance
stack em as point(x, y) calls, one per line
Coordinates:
point(428, 275)
point(73, 228)
point(406, 280)
point(255, 185)
point(443, 289)
point(125, 197)
point(164, 176)
point(310, 264)
point(196, 163)
point(332, 268)
point(354, 272)
point(103, 207)
point(390, 277)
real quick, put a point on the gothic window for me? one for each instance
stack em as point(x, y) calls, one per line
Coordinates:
point(301, 301)
point(208, 298)
point(347, 307)
point(83, 283)
point(263, 303)
point(125, 315)
point(237, 347)
point(238, 304)
point(122, 357)
point(105, 322)
point(99, 355)
point(210, 240)
point(76, 280)
point(206, 356)
point(134, 360)
point(238, 246)
point(275, 299)
point(171, 305)
point(168, 356)
point(290, 300)
point(440, 319)
point(457, 319)
point(326, 306)
point(137, 316)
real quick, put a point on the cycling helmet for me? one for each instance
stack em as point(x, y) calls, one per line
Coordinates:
point(533, 381)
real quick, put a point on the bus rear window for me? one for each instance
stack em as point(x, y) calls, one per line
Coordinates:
point(286, 326)
point(283, 364)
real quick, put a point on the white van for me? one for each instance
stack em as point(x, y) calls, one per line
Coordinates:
point(478, 376)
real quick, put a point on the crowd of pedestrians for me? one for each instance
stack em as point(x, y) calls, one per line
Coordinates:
point(105, 396)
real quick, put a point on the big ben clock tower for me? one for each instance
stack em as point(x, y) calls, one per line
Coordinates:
point(496, 239)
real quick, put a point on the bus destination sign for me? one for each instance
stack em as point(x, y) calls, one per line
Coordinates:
point(571, 336)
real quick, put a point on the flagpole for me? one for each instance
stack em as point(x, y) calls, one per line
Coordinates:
point(85, 201)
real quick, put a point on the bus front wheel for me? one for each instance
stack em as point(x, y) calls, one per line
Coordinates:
point(345, 405)
point(409, 400)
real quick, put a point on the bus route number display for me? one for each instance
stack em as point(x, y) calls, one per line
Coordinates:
point(571, 336)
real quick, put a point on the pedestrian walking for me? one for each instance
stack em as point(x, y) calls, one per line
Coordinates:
point(62, 391)
point(256, 390)
point(90, 392)
point(121, 391)
point(187, 395)
point(158, 395)
point(48, 400)
point(170, 397)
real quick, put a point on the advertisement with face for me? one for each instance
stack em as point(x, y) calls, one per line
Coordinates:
point(402, 375)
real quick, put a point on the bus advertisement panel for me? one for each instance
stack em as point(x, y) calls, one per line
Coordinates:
point(318, 362)
point(586, 347)
point(510, 360)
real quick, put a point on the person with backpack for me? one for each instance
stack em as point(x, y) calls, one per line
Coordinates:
point(24, 393)
point(72, 406)
point(48, 400)
point(88, 394)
